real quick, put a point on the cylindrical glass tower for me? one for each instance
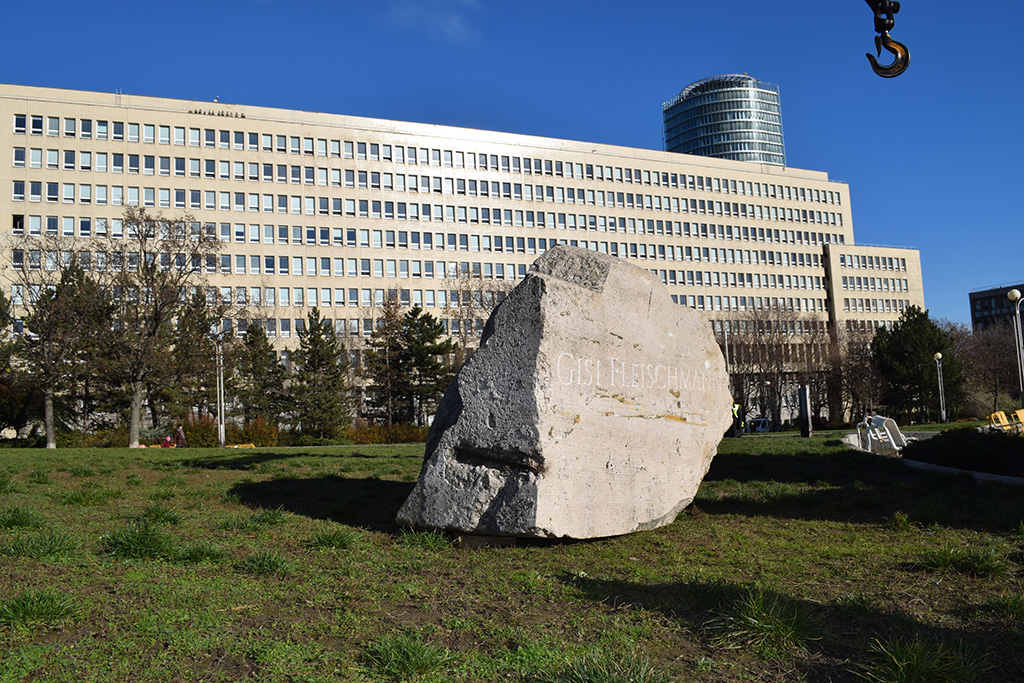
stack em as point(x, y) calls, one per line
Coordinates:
point(729, 117)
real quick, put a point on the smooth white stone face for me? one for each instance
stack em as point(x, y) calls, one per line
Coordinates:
point(592, 408)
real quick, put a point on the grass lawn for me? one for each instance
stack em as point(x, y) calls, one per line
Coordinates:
point(799, 560)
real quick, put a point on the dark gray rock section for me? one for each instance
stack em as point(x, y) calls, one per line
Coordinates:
point(483, 446)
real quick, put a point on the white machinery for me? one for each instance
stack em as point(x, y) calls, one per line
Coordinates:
point(878, 434)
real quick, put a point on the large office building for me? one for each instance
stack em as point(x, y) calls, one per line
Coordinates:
point(733, 117)
point(341, 212)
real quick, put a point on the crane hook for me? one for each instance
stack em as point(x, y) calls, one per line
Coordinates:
point(885, 18)
point(895, 47)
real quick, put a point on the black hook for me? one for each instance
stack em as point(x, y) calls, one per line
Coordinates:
point(895, 47)
point(885, 18)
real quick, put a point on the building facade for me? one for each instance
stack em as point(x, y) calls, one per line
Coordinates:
point(990, 306)
point(727, 117)
point(341, 213)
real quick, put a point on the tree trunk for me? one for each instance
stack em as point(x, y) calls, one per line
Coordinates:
point(135, 421)
point(154, 418)
point(51, 436)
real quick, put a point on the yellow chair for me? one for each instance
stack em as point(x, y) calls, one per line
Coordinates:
point(997, 420)
point(1017, 421)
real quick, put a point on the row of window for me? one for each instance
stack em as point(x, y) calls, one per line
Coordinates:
point(309, 175)
point(322, 147)
point(815, 327)
point(439, 185)
point(283, 173)
point(70, 226)
point(868, 325)
point(450, 186)
point(324, 236)
point(117, 195)
point(871, 262)
point(311, 266)
point(875, 305)
point(752, 303)
point(875, 284)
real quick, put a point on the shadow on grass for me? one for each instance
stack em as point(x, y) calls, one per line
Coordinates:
point(832, 640)
point(367, 503)
point(849, 486)
point(248, 459)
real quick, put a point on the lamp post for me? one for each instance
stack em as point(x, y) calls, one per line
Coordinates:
point(1018, 339)
point(942, 391)
point(725, 334)
point(220, 393)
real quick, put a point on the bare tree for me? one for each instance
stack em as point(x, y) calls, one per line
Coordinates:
point(855, 372)
point(765, 358)
point(989, 361)
point(469, 302)
point(66, 316)
point(811, 348)
point(152, 267)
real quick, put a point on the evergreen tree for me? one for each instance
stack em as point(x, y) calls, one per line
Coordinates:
point(406, 366)
point(20, 398)
point(426, 355)
point(385, 365)
point(320, 387)
point(66, 326)
point(185, 378)
point(261, 378)
point(906, 360)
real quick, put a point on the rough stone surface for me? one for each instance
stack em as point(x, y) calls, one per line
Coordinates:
point(592, 408)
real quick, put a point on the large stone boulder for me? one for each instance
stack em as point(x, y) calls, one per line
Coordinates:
point(592, 408)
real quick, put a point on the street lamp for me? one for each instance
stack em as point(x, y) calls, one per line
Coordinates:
point(1018, 339)
point(942, 391)
point(217, 337)
point(220, 393)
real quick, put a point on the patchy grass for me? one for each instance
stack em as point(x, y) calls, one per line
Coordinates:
point(198, 553)
point(37, 607)
point(798, 561)
point(264, 562)
point(161, 514)
point(7, 483)
point(43, 545)
point(608, 667)
point(922, 661)
point(19, 517)
point(427, 540)
point(986, 561)
point(403, 657)
point(336, 539)
point(139, 541)
point(770, 624)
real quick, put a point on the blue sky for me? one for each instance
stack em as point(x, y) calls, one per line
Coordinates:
point(933, 157)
